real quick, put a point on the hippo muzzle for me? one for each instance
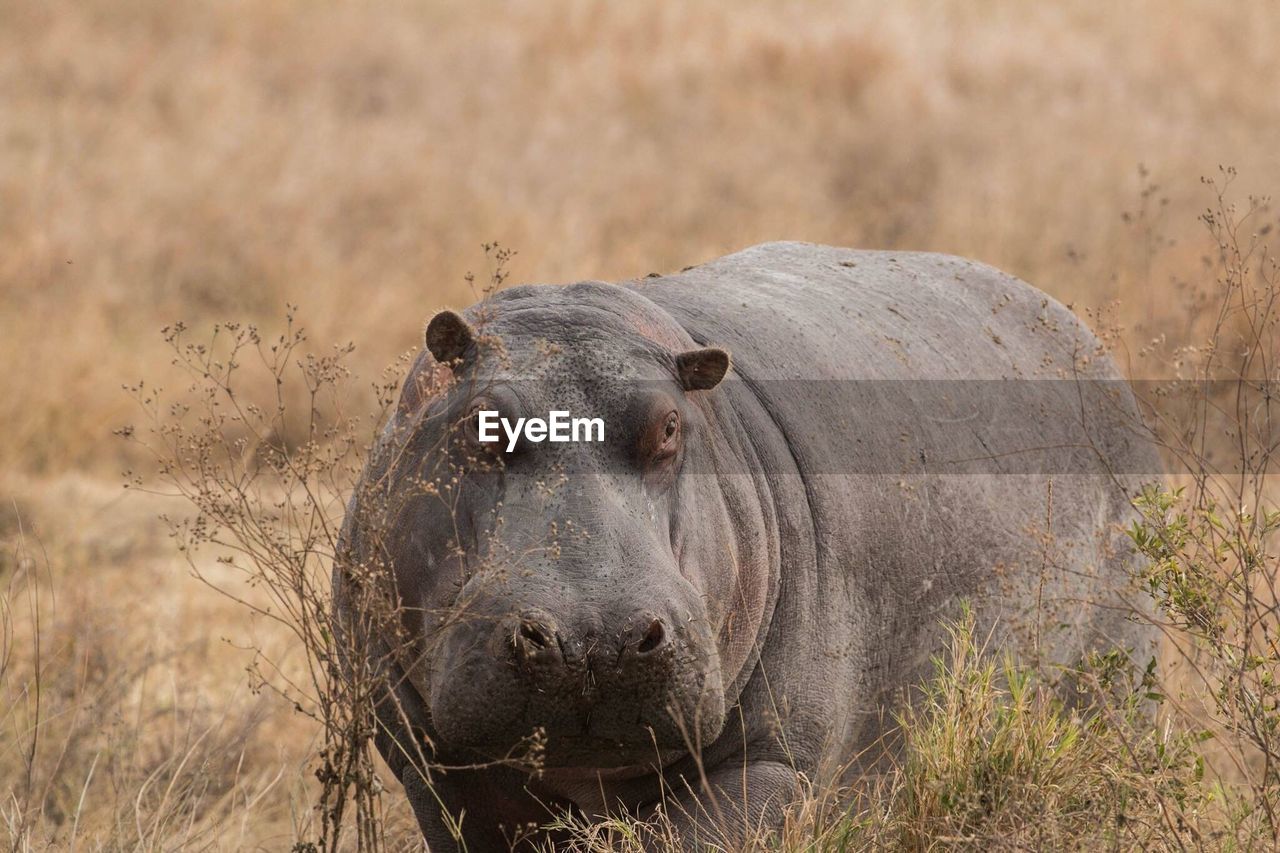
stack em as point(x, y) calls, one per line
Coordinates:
point(592, 687)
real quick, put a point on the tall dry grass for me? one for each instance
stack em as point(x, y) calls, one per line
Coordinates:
point(182, 160)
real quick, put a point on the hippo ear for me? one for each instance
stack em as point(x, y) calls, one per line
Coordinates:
point(701, 369)
point(449, 336)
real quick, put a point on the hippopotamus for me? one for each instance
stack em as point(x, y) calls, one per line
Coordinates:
point(812, 458)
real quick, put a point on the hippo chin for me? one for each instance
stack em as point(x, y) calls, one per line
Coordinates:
point(809, 457)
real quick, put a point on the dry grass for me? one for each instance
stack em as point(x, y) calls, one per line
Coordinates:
point(166, 160)
point(186, 160)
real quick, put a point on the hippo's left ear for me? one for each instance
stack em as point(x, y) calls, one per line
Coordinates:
point(701, 369)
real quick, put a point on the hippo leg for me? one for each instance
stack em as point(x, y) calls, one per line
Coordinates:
point(427, 808)
point(732, 803)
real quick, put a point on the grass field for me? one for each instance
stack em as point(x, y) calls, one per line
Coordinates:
point(166, 160)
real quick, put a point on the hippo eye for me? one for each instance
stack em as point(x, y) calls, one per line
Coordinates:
point(659, 447)
point(471, 423)
point(670, 433)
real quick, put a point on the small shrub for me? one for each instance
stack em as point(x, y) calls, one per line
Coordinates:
point(992, 758)
point(267, 483)
point(1210, 537)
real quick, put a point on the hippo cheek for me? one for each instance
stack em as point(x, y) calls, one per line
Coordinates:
point(476, 698)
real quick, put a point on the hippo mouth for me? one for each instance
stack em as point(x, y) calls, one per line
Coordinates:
point(589, 753)
point(561, 704)
point(579, 752)
point(555, 730)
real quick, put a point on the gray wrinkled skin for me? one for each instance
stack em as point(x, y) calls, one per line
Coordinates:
point(795, 598)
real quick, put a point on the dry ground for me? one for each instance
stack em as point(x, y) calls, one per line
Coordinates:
point(168, 159)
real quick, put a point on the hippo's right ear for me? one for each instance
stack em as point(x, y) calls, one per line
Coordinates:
point(701, 369)
point(449, 336)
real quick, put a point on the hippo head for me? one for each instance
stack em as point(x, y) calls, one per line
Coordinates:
point(593, 594)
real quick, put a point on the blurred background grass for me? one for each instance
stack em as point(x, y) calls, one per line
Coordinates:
point(185, 160)
point(172, 159)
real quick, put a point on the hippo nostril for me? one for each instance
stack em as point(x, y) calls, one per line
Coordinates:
point(535, 635)
point(652, 638)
